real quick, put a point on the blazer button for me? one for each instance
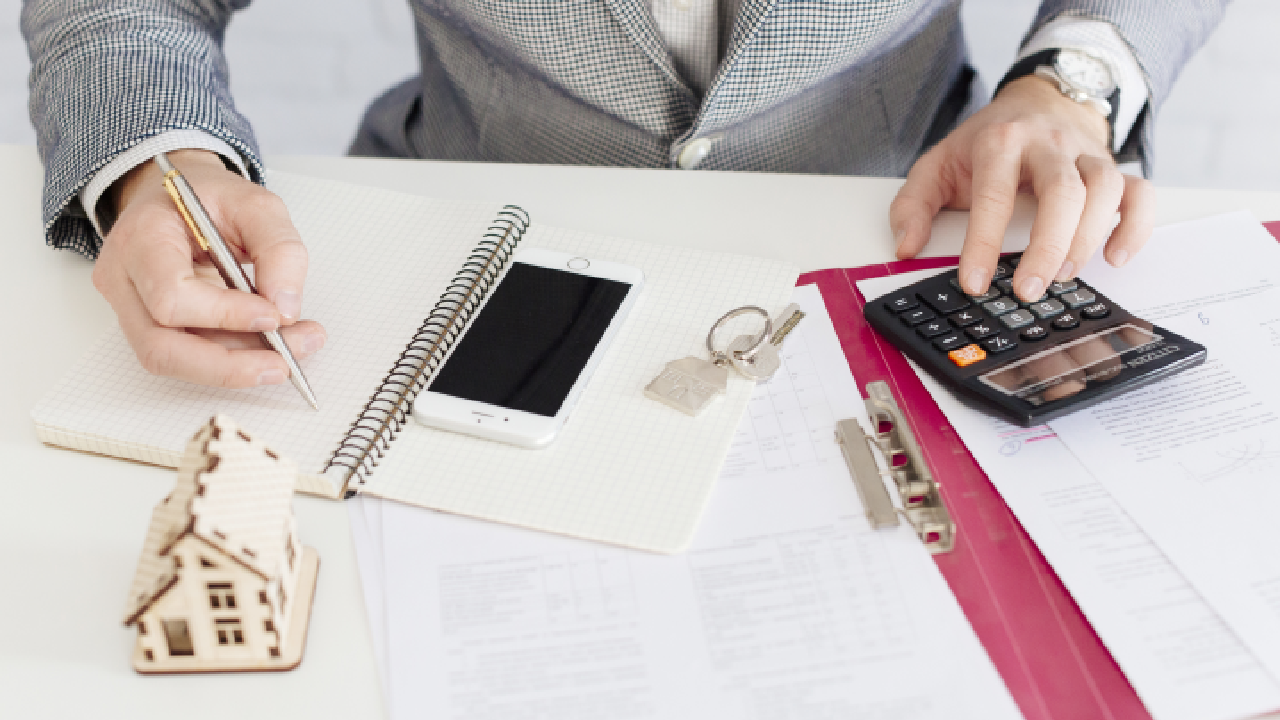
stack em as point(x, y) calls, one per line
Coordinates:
point(693, 153)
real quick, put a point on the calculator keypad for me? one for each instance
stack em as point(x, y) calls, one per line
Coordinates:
point(946, 302)
point(980, 330)
point(1017, 319)
point(967, 355)
point(1066, 322)
point(1031, 333)
point(902, 303)
point(1096, 311)
point(912, 318)
point(1047, 309)
point(964, 318)
point(1077, 298)
point(965, 326)
point(999, 344)
point(933, 329)
point(1000, 306)
point(950, 342)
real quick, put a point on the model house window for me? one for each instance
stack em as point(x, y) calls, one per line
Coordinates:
point(221, 597)
point(229, 632)
point(204, 562)
point(269, 625)
point(178, 637)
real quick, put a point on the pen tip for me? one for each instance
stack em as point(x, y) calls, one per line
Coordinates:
point(295, 375)
point(305, 391)
point(310, 397)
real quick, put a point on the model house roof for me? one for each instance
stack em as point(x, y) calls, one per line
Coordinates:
point(234, 495)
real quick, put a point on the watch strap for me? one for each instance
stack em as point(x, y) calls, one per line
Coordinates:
point(1027, 66)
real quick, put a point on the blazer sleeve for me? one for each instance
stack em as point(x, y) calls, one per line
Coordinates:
point(1163, 36)
point(107, 75)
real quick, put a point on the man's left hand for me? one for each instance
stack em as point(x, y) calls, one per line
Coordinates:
point(1032, 137)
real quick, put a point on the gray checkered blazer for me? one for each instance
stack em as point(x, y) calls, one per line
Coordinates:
point(812, 86)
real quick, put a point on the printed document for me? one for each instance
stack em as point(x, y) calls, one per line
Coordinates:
point(787, 605)
point(1195, 460)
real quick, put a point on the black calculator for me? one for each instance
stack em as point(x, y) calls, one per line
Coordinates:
point(1028, 362)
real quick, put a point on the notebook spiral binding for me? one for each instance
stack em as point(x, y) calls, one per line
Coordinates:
point(388, 408)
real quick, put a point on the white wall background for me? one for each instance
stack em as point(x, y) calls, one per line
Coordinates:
point(303, 71)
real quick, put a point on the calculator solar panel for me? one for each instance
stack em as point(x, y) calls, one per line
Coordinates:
point(1028, 362)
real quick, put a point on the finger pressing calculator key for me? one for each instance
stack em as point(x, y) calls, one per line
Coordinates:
point(1028, 361)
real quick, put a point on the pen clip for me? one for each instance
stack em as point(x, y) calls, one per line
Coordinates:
point(171, 185)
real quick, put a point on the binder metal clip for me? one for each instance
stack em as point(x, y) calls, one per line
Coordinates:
point(922, 506)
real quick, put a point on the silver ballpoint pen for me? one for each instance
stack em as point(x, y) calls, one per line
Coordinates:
point(211, 242)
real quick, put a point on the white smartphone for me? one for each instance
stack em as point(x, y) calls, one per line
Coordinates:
point(519, 368)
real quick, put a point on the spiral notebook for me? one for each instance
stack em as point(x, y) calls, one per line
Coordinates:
point(395, 278)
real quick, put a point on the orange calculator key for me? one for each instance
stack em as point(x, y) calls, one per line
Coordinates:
point(967, 355)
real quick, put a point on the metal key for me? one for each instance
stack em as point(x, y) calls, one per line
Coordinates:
point(790, 317)
point(760, 366)
point(766, 360)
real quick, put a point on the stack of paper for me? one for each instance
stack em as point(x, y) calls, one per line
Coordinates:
point(1154, 508)
point(787, 605)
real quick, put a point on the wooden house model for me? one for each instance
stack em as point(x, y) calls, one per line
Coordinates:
point(223, 583)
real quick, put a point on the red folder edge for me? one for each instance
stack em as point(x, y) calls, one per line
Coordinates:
point(1052, 661)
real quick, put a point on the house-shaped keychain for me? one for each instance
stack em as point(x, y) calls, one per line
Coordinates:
point(688, 385)
point(223, 583)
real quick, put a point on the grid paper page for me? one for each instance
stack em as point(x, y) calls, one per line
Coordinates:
point(625, 469)
point(379, 261)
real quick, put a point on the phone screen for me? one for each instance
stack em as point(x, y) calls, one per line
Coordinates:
point(526, 348)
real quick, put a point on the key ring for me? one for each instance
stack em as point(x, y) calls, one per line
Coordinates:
point(719, 357)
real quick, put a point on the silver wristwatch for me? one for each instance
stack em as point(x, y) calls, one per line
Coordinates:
point(1083, 77)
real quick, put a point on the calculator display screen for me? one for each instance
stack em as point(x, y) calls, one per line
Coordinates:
point(1067, 369)
point(532, 339)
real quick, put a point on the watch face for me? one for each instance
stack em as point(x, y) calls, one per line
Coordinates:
point(1085, 72)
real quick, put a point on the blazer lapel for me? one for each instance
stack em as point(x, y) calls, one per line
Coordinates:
point(637, 21)
point(751, 15)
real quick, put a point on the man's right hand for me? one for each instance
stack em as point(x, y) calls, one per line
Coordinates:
point(173, 306)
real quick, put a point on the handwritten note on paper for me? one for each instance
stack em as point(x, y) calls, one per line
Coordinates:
point(788, 601)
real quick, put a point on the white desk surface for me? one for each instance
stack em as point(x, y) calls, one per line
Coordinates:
point(72, 525)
